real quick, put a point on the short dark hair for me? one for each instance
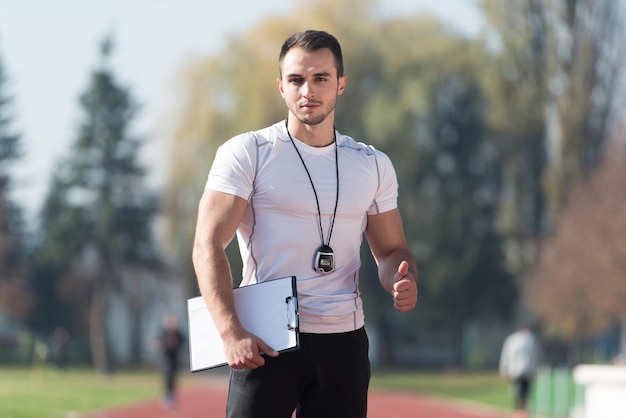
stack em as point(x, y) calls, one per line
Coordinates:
point(312, 40)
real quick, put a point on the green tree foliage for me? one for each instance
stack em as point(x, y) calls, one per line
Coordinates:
point(98, 216)
point(578, 287)
point(15, 297)
point(458, 194)
point(55, 257)
point(554, 88)
point(410, 89)
point(553, 68)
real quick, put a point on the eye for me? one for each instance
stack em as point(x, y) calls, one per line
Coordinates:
point(295, 80)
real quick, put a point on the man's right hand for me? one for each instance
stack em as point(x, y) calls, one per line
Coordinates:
point(244, 351)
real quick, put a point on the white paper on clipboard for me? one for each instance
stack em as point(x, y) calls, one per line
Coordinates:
point(268, 310)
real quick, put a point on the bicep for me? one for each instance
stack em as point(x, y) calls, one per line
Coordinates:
point(385, 233)
point(219, 215)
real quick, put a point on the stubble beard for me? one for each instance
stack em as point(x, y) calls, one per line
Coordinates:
point(314, 119)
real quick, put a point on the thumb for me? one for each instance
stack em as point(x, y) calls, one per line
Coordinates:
point(403, 268)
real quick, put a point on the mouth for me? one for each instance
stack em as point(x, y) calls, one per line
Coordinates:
point(310, 105)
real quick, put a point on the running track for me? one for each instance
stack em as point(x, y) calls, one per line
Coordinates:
point(209, 401)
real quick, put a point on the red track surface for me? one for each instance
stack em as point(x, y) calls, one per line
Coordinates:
point(208, 401)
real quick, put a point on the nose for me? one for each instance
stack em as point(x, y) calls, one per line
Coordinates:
point(307, 90)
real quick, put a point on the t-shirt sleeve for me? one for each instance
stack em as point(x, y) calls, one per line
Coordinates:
point(233, 168)
point(386, 197)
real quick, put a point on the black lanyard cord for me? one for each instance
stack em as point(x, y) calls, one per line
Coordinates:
point(319, 212)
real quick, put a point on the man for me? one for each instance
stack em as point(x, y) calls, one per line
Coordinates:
point(169, 344)
point(518, 364)
point(299, 195)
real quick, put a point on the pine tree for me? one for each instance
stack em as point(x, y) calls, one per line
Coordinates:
point(14, 296)
point(98, 216)
point(459, 191)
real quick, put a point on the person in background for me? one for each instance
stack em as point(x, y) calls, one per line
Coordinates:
point(519, 361)
point(300, 195)
point(59, 345)
point(169, 344)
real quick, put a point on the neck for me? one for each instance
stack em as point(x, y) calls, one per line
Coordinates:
point(320, 135)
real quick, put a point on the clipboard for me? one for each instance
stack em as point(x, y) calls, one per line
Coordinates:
point(268, 310)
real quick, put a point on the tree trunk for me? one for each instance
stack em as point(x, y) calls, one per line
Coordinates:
point(136, 327)
point(97, 326)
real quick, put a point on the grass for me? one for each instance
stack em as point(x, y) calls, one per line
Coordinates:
point(481, 387)
point(48, 393)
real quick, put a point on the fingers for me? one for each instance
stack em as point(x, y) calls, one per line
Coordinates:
point(404, 285)
point(247, 361)
point(404, 303)
point(252, 363)
point(267, 350)
point(404, 289)
point(248, 353)
point(405, 295)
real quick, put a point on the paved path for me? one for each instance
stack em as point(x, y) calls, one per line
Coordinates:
point(209, 401)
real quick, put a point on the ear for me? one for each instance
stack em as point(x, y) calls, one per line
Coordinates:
point(341, 85)
point(279, 83)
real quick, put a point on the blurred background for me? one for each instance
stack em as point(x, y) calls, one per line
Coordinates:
point(505, 122)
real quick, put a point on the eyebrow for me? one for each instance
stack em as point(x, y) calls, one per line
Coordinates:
point(320, 74)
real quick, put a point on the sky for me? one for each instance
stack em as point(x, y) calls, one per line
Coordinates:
point(48, 49)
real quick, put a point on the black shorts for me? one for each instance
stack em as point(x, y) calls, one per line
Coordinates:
point(327, 377)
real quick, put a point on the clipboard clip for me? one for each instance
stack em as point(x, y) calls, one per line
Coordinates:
point(292, 313)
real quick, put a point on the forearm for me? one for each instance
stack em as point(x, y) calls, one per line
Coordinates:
point(219, 215)
point(216, 286)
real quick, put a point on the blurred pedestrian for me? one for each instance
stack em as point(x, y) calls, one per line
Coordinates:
point(170, 343)
point(59, 346)
point(518, 364)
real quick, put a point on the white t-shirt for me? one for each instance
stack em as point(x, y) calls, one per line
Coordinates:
point(279, 233)
point(520, 355)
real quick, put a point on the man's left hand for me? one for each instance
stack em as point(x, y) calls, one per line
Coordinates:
point(404, 289)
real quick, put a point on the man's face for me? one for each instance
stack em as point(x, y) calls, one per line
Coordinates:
point(309, 84)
